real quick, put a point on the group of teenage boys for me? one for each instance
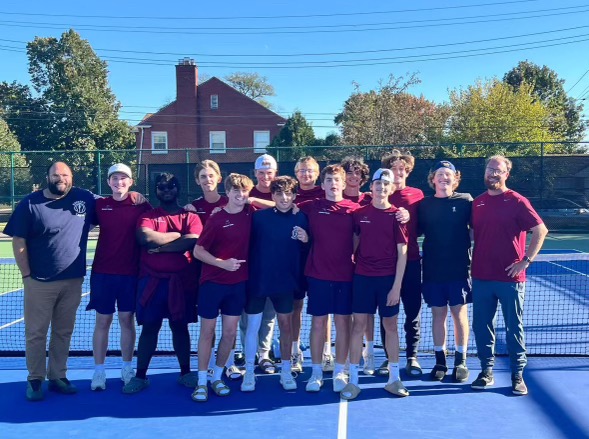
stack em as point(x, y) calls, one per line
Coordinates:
point(254, 254)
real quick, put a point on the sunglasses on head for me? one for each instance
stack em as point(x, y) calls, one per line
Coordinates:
point(166, 186)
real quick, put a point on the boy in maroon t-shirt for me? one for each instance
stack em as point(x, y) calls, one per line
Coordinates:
point(381, 256)
point(114, 272)
point(402, 163)
point(223, 248)
point(207, 175)
point(307, 172)
point(329, 270)
point(167, 280)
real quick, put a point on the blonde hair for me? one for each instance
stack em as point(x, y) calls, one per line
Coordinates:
point(238, 181)
point(333, 169)
point(306, 160)
point(396, 155)
point(210, 164)
point(431, 175)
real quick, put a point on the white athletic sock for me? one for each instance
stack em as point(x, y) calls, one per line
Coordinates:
point(327, 348)
point(295, 347)
point(202, 377)
point(393, 372)
point(461, 349)
point(439, 348)
point(369, 347)
point(230, 360)
point(354, 374)
point(286, 367)
point(128, 363)
point(99, 367)
point(217, 373)
point(263, 355)
point(212, 359)
point(251, 337)
point(339, 368)
point(318, 370)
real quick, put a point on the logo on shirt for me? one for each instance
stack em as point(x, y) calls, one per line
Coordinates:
point(80, 208)
point(365, 220)
point(228, 224)
point(107, 207)
point(454, 209)
point(480, 204)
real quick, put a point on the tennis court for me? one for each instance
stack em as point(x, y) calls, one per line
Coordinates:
point(557, 330)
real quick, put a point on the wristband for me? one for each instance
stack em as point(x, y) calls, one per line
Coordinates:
point(527, 259)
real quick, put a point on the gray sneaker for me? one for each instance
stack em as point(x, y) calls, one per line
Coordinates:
point(35, 390)
point(518, 386)
point(484, 380)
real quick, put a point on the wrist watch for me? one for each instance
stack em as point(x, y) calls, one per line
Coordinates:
point(527, 259)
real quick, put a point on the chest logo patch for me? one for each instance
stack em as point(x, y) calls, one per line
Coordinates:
point(80, 208)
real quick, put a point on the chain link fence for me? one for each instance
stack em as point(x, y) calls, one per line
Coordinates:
point(557, 184)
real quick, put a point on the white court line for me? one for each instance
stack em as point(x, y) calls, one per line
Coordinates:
point(11, 291)
point(570, 269)
point(22, 319)
point(342, 422)
point(12, 323)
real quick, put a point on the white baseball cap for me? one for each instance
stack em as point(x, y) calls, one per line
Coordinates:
point(264, 162)
point(383, 174)
point(119, 167)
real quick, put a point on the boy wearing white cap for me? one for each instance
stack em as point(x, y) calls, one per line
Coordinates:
point(114, 271)
point(381, 256)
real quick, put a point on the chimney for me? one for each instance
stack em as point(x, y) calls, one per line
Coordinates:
point(186, 79)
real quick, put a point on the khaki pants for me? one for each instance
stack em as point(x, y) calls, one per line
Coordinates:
point(56, 303)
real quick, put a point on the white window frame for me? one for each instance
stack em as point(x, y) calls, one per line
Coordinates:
point(155, 150)
point(214, 102)
point(217, 150)
point(260, 148)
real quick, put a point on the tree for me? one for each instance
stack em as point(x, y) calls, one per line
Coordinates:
point(74, 107)
point(13, 166)
point(294, 136)
point(252, 85)
point(493, 112)
point(390, 115)
point(566, 115)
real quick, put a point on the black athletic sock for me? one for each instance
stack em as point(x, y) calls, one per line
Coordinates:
point(440, 357)
point(181, 342)
point(146, 347)
point(459, 359)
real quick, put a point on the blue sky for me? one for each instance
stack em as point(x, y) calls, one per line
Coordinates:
point(310, 51)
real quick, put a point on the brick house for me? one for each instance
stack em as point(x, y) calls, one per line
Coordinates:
point(208, 120)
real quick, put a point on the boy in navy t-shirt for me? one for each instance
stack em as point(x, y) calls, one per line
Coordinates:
point(275, 272)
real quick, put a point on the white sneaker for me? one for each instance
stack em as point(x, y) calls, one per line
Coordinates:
point(127, 372)
point(287, 380)
point(368, 364)
point(327, 363)
point(98, 380)
point(296, 361)
point(314, 384)
point(249, 382)
point(339, 382)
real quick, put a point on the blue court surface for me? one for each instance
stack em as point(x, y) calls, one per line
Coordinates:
point(556, 407)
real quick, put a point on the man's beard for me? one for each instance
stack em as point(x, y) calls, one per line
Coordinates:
point(56, 191)
point(492, 184)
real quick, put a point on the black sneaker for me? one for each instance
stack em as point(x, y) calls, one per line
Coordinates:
point(63, 386)
point(438, 372)
point(484, 380)
point(460, 373)
point(34, 390)
point(518, 386)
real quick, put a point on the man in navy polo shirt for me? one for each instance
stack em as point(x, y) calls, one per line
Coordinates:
point(50, 232)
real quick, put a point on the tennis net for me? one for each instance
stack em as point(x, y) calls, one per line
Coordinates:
point(556, 315)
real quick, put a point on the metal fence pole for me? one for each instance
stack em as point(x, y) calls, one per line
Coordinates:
point(98, 174)
point(541, 173)
point(12, 183)
point(187, 173)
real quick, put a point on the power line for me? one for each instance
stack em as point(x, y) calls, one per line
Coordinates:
point(295, 30)
point(273, 17)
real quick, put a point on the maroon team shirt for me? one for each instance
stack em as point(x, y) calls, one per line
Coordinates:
point(117, 251)
point(364, 199)
point(183, 222)
point(227, 235)
point(331, 227)
point(500, 223)
point(204, 208)
point(409, 199)
point(309, 194)
point(379, 232)
point(261, 195)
